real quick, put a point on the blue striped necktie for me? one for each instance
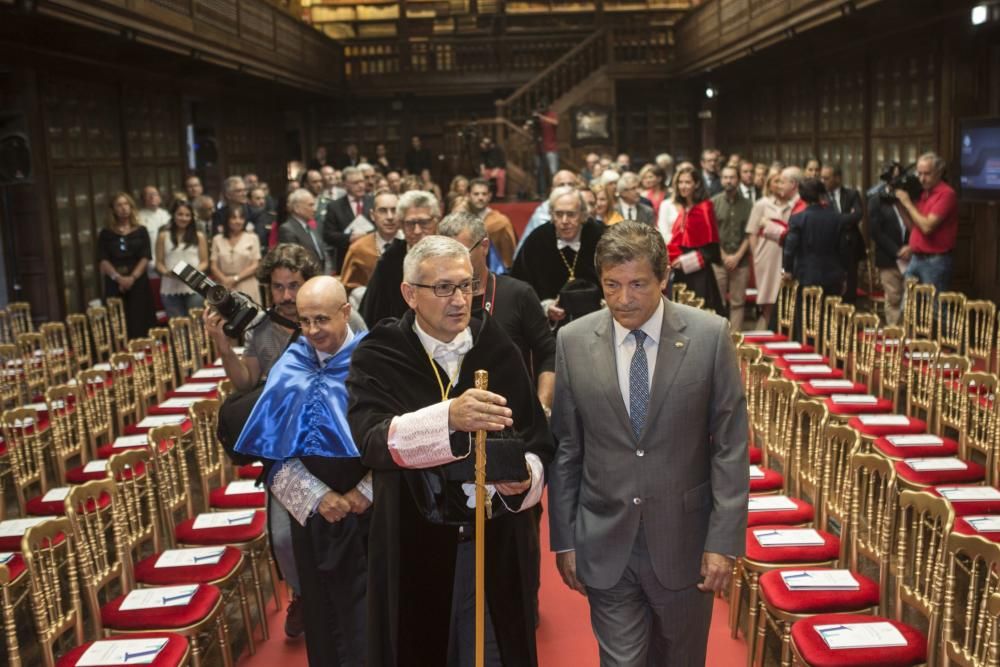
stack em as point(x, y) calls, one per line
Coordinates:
point(638, 384)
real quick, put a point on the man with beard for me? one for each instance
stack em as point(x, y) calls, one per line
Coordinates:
point(299, 428)
point(413, 412)
point(363, 255)
point(498, 226)
point(418, 214)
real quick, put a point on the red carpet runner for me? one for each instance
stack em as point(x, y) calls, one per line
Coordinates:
point(564, 635)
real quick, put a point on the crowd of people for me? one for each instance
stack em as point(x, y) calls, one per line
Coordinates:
point(387, 294)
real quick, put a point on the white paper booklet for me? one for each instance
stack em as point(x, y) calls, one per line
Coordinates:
point(981, 524)
point(243, 486)
point(756, 472)
point(360, 225)
point(16, 527)
point(56, 495)
point(854, 399)
point(771, 503)
point(161, 420)
point(964, 494)
point(933, 465)
point(799, 358)
point(189, 557)
point(124, 441)
point(820, 580)
point(788, 537)
point(155, 598)
point(861, 635)
point(195, 388)
point(209, 374)
point(179, 403)
point(762, 332)
point(221, 519)
point(122, 652)
point(916, 440)
point(97, 465)
point(103, 366)
point(884, 420)
point(831, 384)
point(783, 345)
point(6, 557)
point(819, 369)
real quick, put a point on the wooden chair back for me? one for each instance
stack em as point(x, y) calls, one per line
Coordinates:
point(779, 398)
point(864, 344)
point(50, 561)
point(980, 420)
point(11, 377)
point(20, 317)
point(919, 359)
point(96, 396)
point(184, 346)
point(171, 476)
point(100, 555)
point(100, 332)
point(67, 428)
point(971, 607)
point(58, 354)
point(127, 406)
point(808, 449)
point(873, 511)
point(79, 340)
point(830, 302)
point(840, 444)
point(31, 347)
point(811, 316)
point(210, 456)
point(6, 328)
point(977, 338)
point(143, 372)
point(202, 343)
point(948, 372)
point(26, 449)
point(951, 320)
point(138, 521)
point(918, 313)
point(119, 325)
point(921, 533)
point(166, 370)
point(759, 374)
point(840, 344)
point(787, 296)
point(890, 368)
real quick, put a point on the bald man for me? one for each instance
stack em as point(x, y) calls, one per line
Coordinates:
point(541, 215)
point(299, 429)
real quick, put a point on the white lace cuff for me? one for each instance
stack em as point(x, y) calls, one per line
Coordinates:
point(364, 487)
point(297, 489)
point(534, 494)
point(421, 439)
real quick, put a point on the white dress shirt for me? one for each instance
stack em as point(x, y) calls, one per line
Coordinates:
point(625, 348)
point(835, 200)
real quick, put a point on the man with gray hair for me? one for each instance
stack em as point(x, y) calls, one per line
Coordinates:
point(630, 206)
point(234, 194)
point(300, 227)
point(418, 214)
point(559, 253)
point(933, 221)
point(338, 226)
point(665, 161)
point(412, 413)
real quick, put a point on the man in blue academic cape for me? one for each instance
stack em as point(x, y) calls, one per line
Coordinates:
point(299, 428)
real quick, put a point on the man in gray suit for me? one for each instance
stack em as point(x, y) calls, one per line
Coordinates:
point(300, 227)
point(630, 204)
point(649, 487)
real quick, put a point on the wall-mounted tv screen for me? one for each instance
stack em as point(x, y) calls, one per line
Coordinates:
point(979, 145)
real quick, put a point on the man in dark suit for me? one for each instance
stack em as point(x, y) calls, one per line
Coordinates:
point(418, 158)
point(299, 227)
point(342, 213)
point(847, 202)
point(891, 237)
point(710, 171)
point(648, 490)
point(748, 189)
point(235, 195)
point(630, 204)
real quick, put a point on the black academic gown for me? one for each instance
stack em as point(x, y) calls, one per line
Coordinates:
point(539, 263)
point(411, 562)
point(383, 298)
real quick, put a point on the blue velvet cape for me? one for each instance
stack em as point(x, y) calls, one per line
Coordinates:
point(303, 408)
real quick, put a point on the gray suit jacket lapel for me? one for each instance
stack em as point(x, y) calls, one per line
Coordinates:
point(673, 348)
point(602, 351)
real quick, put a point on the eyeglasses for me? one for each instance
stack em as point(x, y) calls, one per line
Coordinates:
point(477, 244)
point(425, 224)
point(445, 290)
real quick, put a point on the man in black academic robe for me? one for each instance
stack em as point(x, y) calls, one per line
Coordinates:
point(559, 251)
point(420, 510)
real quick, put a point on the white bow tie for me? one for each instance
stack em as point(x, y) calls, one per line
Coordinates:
point(461, 344)
point(575, 245)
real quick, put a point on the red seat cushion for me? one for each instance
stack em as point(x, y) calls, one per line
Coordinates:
point(146, 571)
point(816, 653)
point(809, 390)
point(771, 481)
point(969, 507)
point(3, 447)
point(78, 476)
point(38, 507)
point(217, 498)
point(207, 394)
point(762, 339)
point(972, 473)
point(174, 653)
point(133, 429)
point(828, 551)
point(880, 406)
point(778, 595)
point(185, 534)
point(963, 527)
point(803, 513)
point(832, 374)
point(201, 605)
point(913, 426)
point(15, 566)
point(949, 447)
point(251, 471)
point(13, 542)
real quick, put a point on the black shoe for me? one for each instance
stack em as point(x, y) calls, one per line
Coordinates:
point(294, 619)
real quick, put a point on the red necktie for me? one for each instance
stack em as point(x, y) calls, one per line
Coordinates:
point(311, 223)
point(359, 208)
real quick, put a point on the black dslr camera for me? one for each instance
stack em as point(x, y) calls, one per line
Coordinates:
point(237, 309)
point(895, 177)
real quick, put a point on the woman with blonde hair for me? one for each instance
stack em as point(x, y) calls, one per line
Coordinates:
point(767, 252)
point(651, 186)
point(603, 209)
point(124, 253)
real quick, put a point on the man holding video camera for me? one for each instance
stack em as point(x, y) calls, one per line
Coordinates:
point(933, 220)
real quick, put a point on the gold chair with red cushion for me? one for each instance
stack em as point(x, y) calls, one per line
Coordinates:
point(950, 316)
point(100, 332)
point(104, 563)
point(211, 460)
point(117, 322)
point(25, 436)
point(163, 360)
point(95, 406)
point(79, 341)
point(977, 338)
point(918, 573)
point(811, 315)
point(59, 357)
point(864, 343)
point(13, 593)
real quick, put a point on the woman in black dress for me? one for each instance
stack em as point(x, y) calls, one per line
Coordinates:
point(124, 252)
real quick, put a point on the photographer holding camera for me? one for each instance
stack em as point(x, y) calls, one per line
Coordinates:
point(890, 235)
point(933, 222)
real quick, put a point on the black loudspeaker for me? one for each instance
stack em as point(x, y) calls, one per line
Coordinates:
point(15, 149)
